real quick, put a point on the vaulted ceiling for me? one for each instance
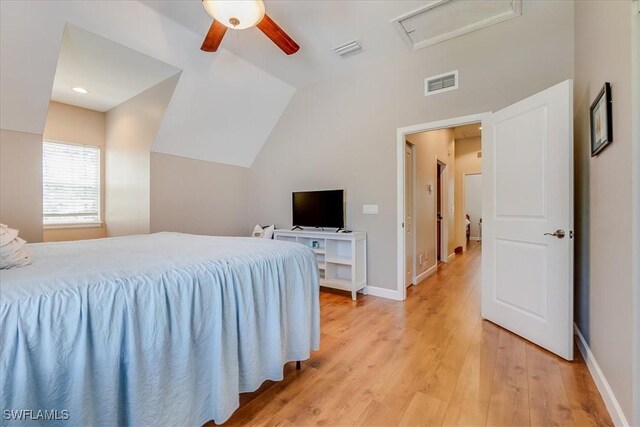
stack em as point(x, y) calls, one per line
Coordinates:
point(110, 72)
point(317, 26)
point(226, 103)
point(223, 107)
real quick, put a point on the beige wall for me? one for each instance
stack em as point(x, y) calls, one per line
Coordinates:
point(67, 123)
point(429, 147)
point(198, 197)
point(21, 183)
point(466, 162)
point(603, 191)
point(341, 132)
point(131, 128)
point(635, 74)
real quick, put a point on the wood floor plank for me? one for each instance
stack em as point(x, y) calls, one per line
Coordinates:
point(276, 397)
point(423, 410)
point(585, 401)
point(418, 370)
point(509, 403)
point(470, 401)
point(429, 360)
point(548, 400)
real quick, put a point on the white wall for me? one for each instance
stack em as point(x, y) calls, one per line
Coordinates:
point(198, 197)
point(67, 123)
point(429, 147)
point(604, 290)
point(131, 129)
point(21, 183)
point(635, 75)
point(473, 202)
point(341, 132)
point(467, 162)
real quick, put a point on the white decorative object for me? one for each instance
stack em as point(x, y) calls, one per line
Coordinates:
point(263, 232)
point(257, 231)
point(341, 257)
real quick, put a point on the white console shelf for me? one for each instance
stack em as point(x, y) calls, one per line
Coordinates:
point(341, 257)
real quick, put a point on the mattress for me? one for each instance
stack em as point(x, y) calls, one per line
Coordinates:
point(160, 329)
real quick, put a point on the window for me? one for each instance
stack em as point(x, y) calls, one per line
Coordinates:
point(71, 184)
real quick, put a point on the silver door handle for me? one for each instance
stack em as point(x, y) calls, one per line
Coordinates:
point(558, 233)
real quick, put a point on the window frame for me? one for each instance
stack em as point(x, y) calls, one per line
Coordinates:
point(78, 224)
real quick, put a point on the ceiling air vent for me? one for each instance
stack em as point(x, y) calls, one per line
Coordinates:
point(348, 48)
point(441, 83)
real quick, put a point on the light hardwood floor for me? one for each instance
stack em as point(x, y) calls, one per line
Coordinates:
point(430, 360)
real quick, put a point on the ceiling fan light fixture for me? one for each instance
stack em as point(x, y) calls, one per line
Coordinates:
point(235, 14)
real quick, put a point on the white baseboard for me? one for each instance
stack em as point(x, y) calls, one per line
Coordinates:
point(451, 256)
point(617, 416)
point(474, 238)
point(428, 272)
point(383, 293)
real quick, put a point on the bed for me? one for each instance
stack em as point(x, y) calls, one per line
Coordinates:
point(160, 329)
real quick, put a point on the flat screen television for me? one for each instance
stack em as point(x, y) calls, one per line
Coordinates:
point(318, 209)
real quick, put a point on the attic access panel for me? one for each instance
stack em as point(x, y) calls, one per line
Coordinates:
point(441, 20)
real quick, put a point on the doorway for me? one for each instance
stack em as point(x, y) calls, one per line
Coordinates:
point(441, 253)
point(410, 238)
point(433, 183)
point(473, 207)
point(527, 250)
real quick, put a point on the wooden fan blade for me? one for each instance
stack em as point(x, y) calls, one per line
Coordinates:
point(277, 35)
point(214, 37)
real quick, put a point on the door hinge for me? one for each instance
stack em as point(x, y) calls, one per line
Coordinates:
point(403, 225)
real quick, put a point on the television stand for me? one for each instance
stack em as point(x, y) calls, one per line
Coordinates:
point(341, 257)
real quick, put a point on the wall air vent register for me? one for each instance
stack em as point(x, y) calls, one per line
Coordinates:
point(441, 83)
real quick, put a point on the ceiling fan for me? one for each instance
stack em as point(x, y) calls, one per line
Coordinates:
point(241, 14)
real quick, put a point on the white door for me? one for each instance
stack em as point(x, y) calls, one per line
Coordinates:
point(408, 213)
point(527, 267)
point(443, 211)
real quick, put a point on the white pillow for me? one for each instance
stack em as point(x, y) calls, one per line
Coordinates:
point(12, 250)
point(263, 232)
point(268, 232)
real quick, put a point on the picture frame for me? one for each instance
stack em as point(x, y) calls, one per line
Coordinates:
point(601, 122)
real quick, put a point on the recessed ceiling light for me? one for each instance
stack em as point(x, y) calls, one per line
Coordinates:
point(480, 128)
point(80, 90)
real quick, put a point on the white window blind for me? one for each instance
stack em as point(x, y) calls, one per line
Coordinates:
point(71, 183)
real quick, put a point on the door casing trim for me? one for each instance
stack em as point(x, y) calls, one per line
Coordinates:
point(401, 290)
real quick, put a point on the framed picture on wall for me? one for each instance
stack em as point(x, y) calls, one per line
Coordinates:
point(601, 123)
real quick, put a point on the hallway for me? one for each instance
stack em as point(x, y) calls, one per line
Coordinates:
point(430, 360)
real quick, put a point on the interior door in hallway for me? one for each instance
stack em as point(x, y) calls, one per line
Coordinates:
point(408, 214)
point(527, 250)
point(440, 255)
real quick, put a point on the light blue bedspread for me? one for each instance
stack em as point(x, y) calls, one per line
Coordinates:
point(163, 329)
